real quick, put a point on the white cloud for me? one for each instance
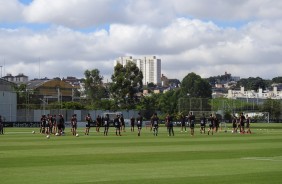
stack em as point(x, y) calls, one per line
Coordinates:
point(87, 13)
point(144, 28)
point(229, 10)
point(72, 13)
point(10, 10)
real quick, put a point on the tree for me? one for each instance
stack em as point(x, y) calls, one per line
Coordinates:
point(194, 86)
point(25, 97)
point(94, 85)
point(21, 93)
point(273, 107)
point(277, 80)
point(72, 105)
point(168, 102)
point(151, 85)
point(219, 79)
point(253, 83)
point(149, 102)
point(126, 84)
point(148, 105)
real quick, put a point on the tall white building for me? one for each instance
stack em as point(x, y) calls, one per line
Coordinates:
point(149, 65)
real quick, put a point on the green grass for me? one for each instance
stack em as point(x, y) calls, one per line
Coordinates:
point(221, 158)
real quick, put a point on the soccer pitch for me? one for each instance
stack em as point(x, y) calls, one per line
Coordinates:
point(220, 158)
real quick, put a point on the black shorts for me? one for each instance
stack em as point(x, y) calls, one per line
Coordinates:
point(59, 126)
point(192, 125)
point(183, 124)
point(74, 126)
point(87, 125)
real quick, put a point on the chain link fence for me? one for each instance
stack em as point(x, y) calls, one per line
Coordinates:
point(29, 113)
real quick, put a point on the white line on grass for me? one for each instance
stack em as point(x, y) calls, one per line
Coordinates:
point(273, 159)
point(18, 132)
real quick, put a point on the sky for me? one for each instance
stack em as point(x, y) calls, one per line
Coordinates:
point(61, 38)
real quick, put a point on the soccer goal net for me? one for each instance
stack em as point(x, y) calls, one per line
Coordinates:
point(186, 105)
point(257, 117)
point(199, 114)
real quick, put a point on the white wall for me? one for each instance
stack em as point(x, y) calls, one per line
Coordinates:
point(8, 106)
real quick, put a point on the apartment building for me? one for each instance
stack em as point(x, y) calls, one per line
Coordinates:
point(275, 94)
point(149, 65)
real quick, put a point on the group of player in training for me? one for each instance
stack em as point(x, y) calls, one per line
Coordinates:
point(52, 124)
point(1, 126)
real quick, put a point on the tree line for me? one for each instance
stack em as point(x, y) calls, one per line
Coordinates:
point(251, 83)
point(126, 92)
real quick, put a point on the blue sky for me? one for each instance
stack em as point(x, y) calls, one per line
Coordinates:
point(26, 2)
point(239, 37)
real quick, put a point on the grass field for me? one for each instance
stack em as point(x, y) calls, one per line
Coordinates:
point(221, 158)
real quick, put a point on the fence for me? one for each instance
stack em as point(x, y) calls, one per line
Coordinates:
point(194, 104)
point(10, 112)
point(224, 106)
point(28, 115)
point(8, 106)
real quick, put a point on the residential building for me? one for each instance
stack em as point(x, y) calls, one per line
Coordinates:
point(124, 60)
point(78, 84)
point(165, 81)
point(73, 81)
point(149, 65)
point(9, 77)
point(20, 78)
point(260, 94)
point(51, 90)
point(223, 81)
point(8, 101)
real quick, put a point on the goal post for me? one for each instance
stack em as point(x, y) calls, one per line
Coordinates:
point(186, 105)
point(258, 117)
